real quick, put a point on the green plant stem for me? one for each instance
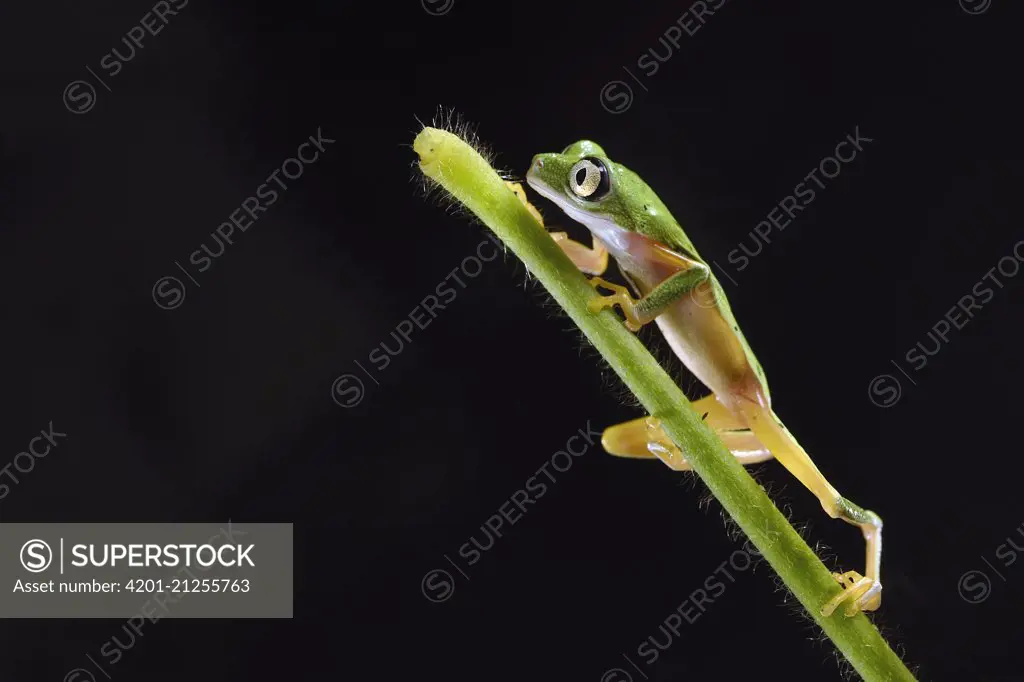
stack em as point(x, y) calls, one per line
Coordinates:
point(468, 177)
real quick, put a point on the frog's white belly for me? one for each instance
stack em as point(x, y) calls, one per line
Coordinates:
point(700, 338)
point(703, 338)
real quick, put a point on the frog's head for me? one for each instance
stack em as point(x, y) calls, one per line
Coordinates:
point(597, 192)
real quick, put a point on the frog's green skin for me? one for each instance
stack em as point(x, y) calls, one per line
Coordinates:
point(700, 327)
point(679, 292)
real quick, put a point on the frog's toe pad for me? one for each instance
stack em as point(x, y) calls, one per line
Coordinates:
point(859, 593)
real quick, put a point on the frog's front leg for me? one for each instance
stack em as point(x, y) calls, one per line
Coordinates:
point(591, 261)
point(639, 312)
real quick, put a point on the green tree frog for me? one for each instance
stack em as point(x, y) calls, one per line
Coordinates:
point(678, 291)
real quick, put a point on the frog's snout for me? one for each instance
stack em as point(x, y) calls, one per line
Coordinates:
point(539, 166)
point(543, 173)
point(536, 166)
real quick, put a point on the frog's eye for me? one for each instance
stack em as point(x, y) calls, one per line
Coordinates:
point(588, 179)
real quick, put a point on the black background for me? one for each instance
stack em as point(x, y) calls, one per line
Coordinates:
point(222, 407)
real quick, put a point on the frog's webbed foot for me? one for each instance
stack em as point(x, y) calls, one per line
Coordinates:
point(622, 298)
point(860, 593)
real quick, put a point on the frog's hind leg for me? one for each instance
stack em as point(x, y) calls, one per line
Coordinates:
point(862, 593)
point(644, 438)
point(592, 261)
point(716, 415)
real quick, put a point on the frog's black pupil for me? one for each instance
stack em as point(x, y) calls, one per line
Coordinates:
point(581, 175)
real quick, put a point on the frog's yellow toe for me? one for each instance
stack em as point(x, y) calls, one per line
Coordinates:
point(599, 304)
point(859, 593)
